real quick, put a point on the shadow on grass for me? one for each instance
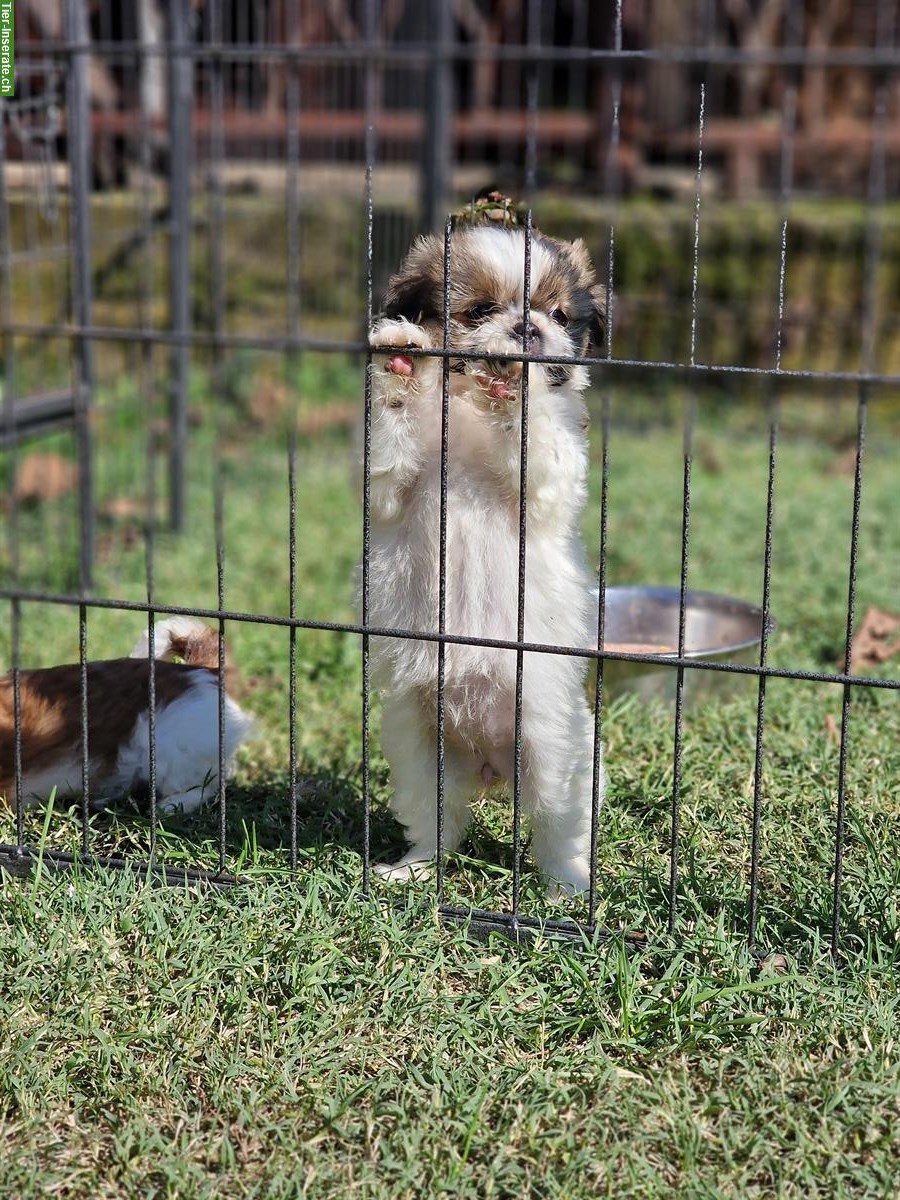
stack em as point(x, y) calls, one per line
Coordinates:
point(713, 892)
point(330, 817)
point(258, 823)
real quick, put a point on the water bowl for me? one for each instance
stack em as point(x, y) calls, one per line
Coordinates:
point(644, 620)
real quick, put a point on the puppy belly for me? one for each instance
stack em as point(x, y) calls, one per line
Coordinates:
point(479, 719)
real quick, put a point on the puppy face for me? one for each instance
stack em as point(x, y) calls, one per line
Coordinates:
point(487, 295)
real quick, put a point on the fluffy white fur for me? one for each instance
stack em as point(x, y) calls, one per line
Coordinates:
point(482, 575)
point(187, 730)
point(187, 747)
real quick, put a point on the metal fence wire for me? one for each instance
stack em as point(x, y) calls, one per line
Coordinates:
point(173, 97)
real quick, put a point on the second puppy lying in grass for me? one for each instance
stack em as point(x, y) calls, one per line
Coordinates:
point(187, 723)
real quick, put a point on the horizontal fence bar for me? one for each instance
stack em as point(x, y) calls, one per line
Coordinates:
point(516, 926)
point(280, 342)
point(218, 614)
point(426, 53)
point(32, 416)
point(22, 860)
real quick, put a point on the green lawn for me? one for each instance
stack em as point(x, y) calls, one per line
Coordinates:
point(289, 1038)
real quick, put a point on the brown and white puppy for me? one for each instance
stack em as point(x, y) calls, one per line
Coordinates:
point(187, 740)
point(487, 319)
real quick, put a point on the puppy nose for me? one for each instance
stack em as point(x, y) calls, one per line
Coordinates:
point(533, 332)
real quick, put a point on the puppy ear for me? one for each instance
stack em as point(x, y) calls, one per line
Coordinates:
point(414, 291)
point(598, 317)
point(581, 259)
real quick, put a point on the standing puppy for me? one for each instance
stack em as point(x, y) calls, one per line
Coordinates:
point(187, 723)
point(486, 319)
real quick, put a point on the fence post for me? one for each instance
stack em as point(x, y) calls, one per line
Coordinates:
point(180, 88)
point(78, 140)
point(438, 157)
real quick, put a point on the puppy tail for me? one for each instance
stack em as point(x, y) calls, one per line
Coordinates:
point(184, 638)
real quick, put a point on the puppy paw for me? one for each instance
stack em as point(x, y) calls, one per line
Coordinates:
point(395, 374)
point(404, 872)
point(568, 880)
point(396, 333)
point(498, 384)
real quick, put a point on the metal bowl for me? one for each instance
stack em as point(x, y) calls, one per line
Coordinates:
point(644, 620)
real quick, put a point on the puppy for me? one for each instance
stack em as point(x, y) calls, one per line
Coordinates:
point(567, 315)
point(187, 724)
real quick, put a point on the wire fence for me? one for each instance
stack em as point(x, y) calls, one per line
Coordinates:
point(178, 131)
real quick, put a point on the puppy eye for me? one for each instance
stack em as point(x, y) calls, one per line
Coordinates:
point(557, 315)
point(479, 311)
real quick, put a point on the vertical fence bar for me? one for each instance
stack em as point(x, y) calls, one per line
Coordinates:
point(597, 766)
point(690, 416)
point(292, 190)
point(147, 389)
point(439, 133)
point(11, 439)
point(149, 555)
point(84, 732)
point(370, 83)
point(612, 188)
point(847, 691)
point(217, 297)
point(180, 114)
point(220, 681)
point(442, 561)
point(756, 819)
point(532, 88)
point(79, 148)
point(16, 656)
point(695, 272)
point(788, 130)
point(675, 831)
point(531, 101)
point(520, 614)
point(292, 362)
point(876, 197)
point(292, 657)
point(613, 180)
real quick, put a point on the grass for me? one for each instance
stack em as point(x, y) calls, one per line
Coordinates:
point(287, 1038)
point(275, 1043)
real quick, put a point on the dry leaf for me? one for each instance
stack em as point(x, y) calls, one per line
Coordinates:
point(44, 477)
point(127, 508)
point(874, 641)
point(831, 729)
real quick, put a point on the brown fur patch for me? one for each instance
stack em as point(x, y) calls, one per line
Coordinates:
point(200, 648)
point(50, 711)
